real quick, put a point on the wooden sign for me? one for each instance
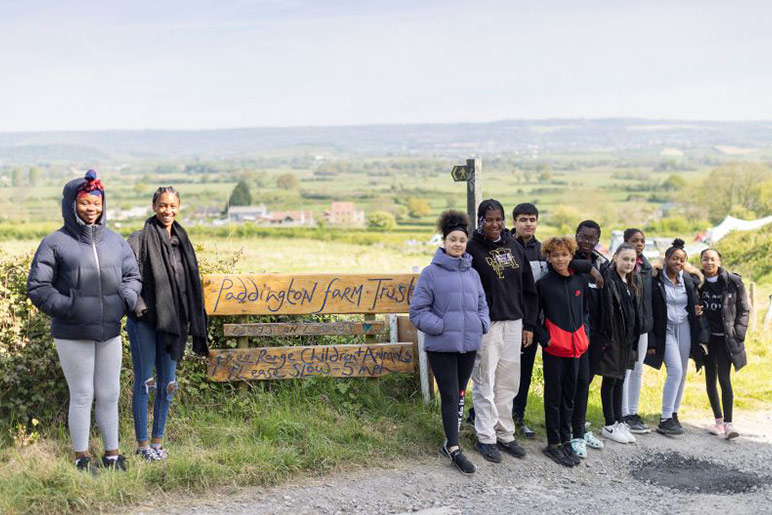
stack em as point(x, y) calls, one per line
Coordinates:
point(365, 360)
point(305, 329)
point(302, 294)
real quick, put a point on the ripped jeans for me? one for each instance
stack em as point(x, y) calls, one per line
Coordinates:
point(147, 354)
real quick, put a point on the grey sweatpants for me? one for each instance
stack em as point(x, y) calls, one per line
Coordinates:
point(92, 370)
point(631, 388)
point(496, 377)
point(678, 343)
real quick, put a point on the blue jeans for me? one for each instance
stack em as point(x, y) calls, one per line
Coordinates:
point(147, 353)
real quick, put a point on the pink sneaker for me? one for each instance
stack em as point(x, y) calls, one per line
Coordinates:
point(717, 429)
point(730, 431)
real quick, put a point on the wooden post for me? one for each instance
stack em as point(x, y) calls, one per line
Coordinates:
point(423, 361)
point(370, 338)
point(242, 343)
point(393, 329)
point(768, 317)
point(473, 190)
point(752, 298)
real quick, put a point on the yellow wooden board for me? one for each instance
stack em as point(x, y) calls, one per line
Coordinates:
point(305, 329)
point(366, 360)
point(303, 294)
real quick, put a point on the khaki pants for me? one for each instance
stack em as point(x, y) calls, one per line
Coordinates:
point(496, 377)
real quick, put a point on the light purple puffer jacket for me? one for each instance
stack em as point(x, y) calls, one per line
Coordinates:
point(449, 305)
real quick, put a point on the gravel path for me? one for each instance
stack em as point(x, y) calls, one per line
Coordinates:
point(620, 478)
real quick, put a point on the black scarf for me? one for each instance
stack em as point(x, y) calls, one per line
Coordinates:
point(161, 292)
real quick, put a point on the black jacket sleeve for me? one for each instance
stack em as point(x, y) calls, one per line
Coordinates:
point(530, 297)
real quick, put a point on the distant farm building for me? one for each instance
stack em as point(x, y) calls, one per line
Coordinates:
point(345, 213)
point(291, 218)
point(260, 215)
point(247, 213)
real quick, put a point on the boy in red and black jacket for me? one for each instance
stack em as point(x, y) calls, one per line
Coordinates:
point(563, 334)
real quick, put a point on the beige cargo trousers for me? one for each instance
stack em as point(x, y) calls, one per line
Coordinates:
point(496, 379)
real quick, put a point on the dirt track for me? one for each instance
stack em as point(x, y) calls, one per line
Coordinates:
point(618, 479)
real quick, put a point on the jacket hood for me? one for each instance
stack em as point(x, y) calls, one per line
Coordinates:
point(450, 263)
point(72, 222)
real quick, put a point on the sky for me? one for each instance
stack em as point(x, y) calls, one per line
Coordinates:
point(194, 64)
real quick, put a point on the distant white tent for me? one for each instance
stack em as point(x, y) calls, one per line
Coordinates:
point(731, 223)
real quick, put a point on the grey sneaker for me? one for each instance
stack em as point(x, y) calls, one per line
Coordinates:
point(636, 425)
point(668, 427)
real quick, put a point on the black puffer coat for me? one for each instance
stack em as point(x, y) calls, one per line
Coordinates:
point(84, 276)
point(611, 351)
point(735, 310)
point(692, 279)
point(647, 324)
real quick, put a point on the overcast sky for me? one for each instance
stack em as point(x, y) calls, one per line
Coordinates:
point(199, 64)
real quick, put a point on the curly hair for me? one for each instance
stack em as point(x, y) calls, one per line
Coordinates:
point(452, 220)
point(558, 242)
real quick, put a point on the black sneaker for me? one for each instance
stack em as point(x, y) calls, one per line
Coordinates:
point(556, 454)
point(523, 428)
point(669, 427)
point(462, 463)
point(569, 452)
point(512, 448)
point(84, 465)
point(488, 451)
point(117, 464)
point(636, 425)
point(675, 419)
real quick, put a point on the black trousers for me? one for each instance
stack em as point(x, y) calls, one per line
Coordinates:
point(452, 371)
point(559, 392)
point(527, 357)
point(611, 397)
point(718, 363)
point(583, 380)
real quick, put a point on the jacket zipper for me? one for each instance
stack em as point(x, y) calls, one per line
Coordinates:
point(570, 316)
point(461, 280)
point(99, 275)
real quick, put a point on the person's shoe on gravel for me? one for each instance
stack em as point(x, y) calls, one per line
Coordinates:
point(614, 433)
point(592, 441)
point(444, 451)
point(718, 428)
point(512, 448)
point(580, 447)
point(668, 427)
point(626, 431)
point(488, 451)
point(636, 425)
point(461, 462)
point(731, 432)
point(568, 450)
point(675, 419)
point(556, 454)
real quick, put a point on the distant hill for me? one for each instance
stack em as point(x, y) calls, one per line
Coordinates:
point(524, 137)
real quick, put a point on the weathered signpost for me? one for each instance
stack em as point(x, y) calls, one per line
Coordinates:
point(311, 294)
point(471, 173)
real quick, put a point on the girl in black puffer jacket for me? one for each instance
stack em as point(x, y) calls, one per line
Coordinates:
point(725, 309)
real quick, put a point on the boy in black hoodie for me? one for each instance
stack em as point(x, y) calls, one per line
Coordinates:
point(511, 295)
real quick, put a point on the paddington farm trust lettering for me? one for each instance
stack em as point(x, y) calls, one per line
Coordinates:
point(322, 360)
point(263, 294)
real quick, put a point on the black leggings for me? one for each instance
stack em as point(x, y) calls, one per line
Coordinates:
point(611, 397)
point(717, 362)
point(452, 371)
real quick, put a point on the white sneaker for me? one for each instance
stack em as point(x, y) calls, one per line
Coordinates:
point(626, 430)
point(614, 433)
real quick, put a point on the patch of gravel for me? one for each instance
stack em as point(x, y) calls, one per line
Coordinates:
point(693, 473)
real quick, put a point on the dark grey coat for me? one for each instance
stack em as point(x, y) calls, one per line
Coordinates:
point(85, 277)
